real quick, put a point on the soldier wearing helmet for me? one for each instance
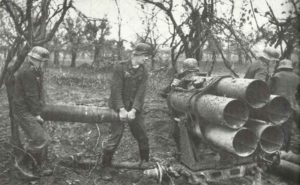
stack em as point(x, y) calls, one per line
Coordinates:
point(285, 83)
point(27, 105)
point(260, 68)
point(128, 89)
point(187, 79)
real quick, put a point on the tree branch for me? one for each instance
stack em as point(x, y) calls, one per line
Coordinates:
point(29, 20)
point(14, 18)
point(50, 35)
point(11, 53)
point(226, 62)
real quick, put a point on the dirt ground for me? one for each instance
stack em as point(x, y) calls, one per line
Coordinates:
point(83, 86)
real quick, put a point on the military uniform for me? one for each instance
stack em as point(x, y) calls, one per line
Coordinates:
point(128, 87)
point(185, 82)
point(285, 83)
point(27, 103)
point(257, 70)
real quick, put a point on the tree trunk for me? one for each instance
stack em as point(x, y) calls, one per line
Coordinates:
point(240, 57)
point(120, 50)
point(214, 57)
point(15, 138)
point(73, 58)
point(64, 56)
point(5, 53)
point(173, 61)
point(152, 62)
point(56, 58)
point(21, 54)
point(96, 60)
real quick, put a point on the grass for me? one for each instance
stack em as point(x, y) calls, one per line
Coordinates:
point(88, 86)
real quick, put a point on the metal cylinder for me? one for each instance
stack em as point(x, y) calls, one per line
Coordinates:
point(290, 156)
point(278, 110)
point(83, 114)
point(215, 109)
point(241, 142)
point(180, 101)
point(287, 170)
point(221, 110)
point(254, 92)
point(271, 137)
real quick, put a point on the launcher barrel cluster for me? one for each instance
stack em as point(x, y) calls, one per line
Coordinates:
point(236, 115)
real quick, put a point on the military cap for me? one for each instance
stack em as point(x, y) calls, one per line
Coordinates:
point(142, 49)
point(39, 53)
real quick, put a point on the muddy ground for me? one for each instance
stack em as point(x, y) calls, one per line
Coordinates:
point(84, 86)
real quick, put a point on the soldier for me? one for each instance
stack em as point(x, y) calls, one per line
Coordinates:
point(285, 83)
point(186, 79)
point(128, 88)
point(27, 105)
point(260, 68)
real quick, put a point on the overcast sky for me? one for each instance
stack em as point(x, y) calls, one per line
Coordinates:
point(132, 13)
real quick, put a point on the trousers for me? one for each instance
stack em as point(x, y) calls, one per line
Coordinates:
point(137, 129)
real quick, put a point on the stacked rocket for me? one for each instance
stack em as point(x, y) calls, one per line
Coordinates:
point(236, 115)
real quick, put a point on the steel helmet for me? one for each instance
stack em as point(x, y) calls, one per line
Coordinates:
point(286, 64)
point(189, 63)
point(268, 53)
point(39, 53)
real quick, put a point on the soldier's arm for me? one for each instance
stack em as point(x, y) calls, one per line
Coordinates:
point(31, 91)
point(261, 74)
point(116, 88)
point(140, 95)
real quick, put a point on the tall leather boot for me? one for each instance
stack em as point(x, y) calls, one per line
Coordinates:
point(106, 163)
point(41, 167)
point(144, 157)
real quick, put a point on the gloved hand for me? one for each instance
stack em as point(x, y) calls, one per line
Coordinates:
point(198, 81)
point(123, 114)
point(131, 114)
point(39, 119)
point(175, 82)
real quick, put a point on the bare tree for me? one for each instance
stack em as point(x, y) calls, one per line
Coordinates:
point(33, 24)
point(95, 31)
point(202, 23)
point(151, 34)
point(74, 36)
point(120, 40)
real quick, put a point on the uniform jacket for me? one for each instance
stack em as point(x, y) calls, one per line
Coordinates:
point(257, 70)
point(128, 87)
point(28, 90)
point(285, 83)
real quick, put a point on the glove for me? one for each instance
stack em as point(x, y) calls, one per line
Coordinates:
point(198, 82)
point(123, 114)
point(175, 82)
point(39, 119)
point(131, 114)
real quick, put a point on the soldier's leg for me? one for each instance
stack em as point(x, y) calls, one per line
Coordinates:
point(138, 131)
point(37, 136)
point(18, 148)
point(38, 139)
point(109, 147)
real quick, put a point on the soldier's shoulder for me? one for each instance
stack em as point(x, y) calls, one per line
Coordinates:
point(24, 71)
